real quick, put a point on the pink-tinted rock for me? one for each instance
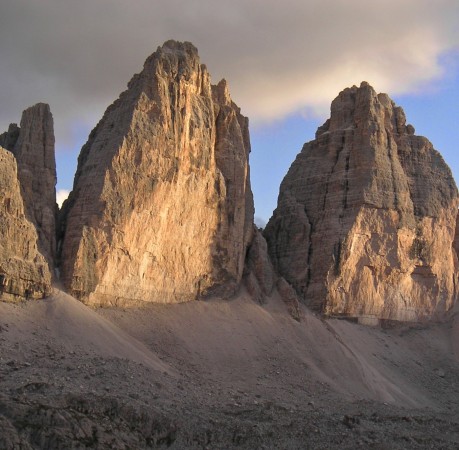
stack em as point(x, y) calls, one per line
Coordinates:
point(24, 272)
point(161, 209)
point(366, 217)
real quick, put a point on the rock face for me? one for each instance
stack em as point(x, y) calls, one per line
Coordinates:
point(456, 237)
point(161, 209)
point(259, 274)
point(33, 146)
point(9, 138)
point(366, 217)
point(24, 272)
point(290, 298)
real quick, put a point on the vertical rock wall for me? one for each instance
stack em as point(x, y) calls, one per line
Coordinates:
point(33, 146)
point(161, 209)
point(366, 216)
point(24, 272)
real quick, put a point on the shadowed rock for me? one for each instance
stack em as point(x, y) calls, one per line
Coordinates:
point(33, 146)
point(259, 274)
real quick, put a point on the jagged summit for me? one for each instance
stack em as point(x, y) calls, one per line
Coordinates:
point(161, 208)
point(174, 46)
point(366, 216)
point(360, 101)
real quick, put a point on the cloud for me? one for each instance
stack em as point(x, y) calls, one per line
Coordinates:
point(279, 57)
point(259, 222)
point(61, 196)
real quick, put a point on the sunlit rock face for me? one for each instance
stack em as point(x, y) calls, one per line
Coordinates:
point(161, 209)
point(366, 217)
point(24, 272)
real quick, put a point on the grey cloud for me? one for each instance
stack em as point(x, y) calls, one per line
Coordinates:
point(278, 57)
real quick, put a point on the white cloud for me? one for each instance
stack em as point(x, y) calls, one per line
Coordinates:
point(279, 57)
point(61, 196)
point(259, 222)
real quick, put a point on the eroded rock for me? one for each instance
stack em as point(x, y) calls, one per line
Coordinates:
point(33, 146)
point(161, 209)
point(290, 298)
point(366, 216)
point(24, 272)
point(259, 274)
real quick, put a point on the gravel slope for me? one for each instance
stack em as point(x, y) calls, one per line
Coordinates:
point(218, 374)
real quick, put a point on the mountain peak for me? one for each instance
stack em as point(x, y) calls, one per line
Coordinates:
point(162, 191)
point(366, 203)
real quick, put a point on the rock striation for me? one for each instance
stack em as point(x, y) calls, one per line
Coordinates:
point(33, 146)
point(161, 209)
point(24, 272)
point(366, 217)
point(456, 237)
point(259, 275)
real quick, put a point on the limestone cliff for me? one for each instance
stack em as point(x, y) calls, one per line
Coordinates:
point(33, 146)
point(366, 216)
point(161, 209)
point(24, 272)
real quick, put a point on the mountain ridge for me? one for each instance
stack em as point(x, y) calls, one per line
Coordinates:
point(162, 209)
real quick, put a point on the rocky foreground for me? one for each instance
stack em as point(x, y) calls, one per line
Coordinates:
point(219, 375)
point(32, 144)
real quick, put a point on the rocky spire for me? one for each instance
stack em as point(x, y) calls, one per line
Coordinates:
point(366, 216)
point(161, 209)
point(33, 146)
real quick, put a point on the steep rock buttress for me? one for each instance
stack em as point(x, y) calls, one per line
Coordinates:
point(161, 209)
point(33, 147)
point(24, 272)
point(366, 217)
point(27, 206)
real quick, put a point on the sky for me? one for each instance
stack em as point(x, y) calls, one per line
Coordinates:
point(284, 62)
